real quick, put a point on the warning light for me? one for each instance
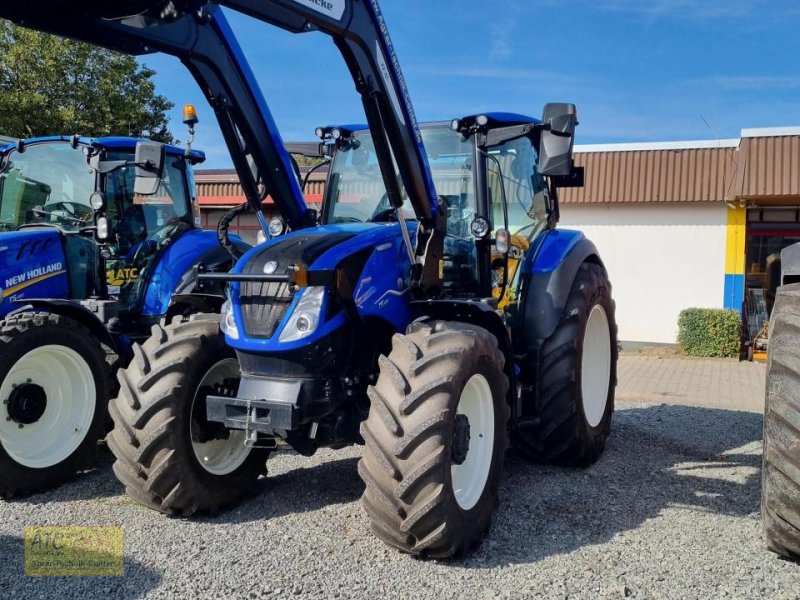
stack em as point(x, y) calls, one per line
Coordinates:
point(190, 115)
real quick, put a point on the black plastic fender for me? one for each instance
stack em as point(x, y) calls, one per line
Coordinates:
point(543, 296)
point(194, 303)
point(72, 310)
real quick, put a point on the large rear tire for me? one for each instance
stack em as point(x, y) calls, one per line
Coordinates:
point(54, 386)
point(435, 438)
point(168, 456)
point(780, 476)
point(575, 378)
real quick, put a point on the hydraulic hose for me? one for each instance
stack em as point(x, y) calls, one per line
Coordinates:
point(224, 225)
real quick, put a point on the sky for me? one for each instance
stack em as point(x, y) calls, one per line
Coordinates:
point(639, 70)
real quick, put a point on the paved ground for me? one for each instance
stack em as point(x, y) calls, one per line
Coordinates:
point(711, 382)
point(670, 511)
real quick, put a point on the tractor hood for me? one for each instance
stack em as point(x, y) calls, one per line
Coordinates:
point(371, 254)
point(319, 248)
point(32, 265)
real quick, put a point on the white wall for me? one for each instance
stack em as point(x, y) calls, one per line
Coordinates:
point(660, 259)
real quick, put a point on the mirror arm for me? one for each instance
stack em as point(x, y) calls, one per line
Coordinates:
point(503, 135)
point(553, 211)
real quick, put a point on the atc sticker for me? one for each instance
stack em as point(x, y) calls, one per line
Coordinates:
point(118, 277)
point(74, 551)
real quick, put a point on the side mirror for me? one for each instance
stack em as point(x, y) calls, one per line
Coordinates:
point(150, 158)
point(555, 149)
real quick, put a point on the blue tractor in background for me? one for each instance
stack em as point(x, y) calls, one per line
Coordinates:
point(99, 241)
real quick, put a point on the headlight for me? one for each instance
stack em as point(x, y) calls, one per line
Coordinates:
point(97, 200)
point(102, 228)
point(276, 227)
point(227, 323)
point(306, 315)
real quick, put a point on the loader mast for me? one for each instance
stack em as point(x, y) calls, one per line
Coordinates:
point(360, 33)
point(197, 33)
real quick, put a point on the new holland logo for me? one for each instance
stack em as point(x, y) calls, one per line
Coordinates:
point(20, 281)
point(329, 8)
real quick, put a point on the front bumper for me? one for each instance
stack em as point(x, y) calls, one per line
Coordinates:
point(271, 406)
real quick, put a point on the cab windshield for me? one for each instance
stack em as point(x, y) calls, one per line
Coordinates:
point(356, 193)
point(48, 183)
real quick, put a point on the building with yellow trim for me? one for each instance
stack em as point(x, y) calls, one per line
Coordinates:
point(688, 224)
point(678, 224)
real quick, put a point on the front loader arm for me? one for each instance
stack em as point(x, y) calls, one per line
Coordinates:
point(359, 31)
point(196, 32)
point(200, 37)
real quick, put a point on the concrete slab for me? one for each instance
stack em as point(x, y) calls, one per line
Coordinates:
point(708, 382)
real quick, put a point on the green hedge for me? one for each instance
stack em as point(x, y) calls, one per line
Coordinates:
point(710, 332)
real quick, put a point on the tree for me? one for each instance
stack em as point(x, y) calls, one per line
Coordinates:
point(50, 85)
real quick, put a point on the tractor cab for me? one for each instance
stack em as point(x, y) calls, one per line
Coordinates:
point(95, 213)
point(486, 173)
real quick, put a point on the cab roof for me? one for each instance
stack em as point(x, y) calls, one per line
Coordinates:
point(496, 119)
point(108, 142)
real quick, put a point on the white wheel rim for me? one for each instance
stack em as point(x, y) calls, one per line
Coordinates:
point(596, 366)
point(469, 478)
point(67, 380)
point(220, 457)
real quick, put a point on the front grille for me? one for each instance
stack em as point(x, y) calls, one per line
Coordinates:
point(264, 304)
point(263, 307)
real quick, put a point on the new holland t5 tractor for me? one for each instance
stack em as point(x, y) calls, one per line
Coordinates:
point(382, 326)
point(91, 256)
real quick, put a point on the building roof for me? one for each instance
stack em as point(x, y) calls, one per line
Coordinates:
point(760, 165)
point(692, 175)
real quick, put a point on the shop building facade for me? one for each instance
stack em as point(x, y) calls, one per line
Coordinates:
point(679, 224)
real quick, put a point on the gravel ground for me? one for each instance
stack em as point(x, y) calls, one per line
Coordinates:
point(670, 511)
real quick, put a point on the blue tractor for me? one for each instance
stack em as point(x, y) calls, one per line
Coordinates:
point(93, 255)
point(435, 315)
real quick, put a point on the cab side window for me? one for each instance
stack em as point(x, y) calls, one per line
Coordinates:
point(525, 189)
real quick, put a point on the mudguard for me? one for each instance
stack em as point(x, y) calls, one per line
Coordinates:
point(483, 315)
point(32, 265)
point(176, 270)
point(547, 276)
point(72, 309)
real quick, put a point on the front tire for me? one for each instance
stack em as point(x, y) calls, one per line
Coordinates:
point(435, 439)
point(168, 456)
point(54, 387)
point(780, 476)
point(575, 378)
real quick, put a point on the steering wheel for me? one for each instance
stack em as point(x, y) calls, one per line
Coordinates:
point(383, 210)
point(151, 244)
point(75, 213)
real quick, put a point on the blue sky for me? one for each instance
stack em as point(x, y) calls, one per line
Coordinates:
point(639, 70)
